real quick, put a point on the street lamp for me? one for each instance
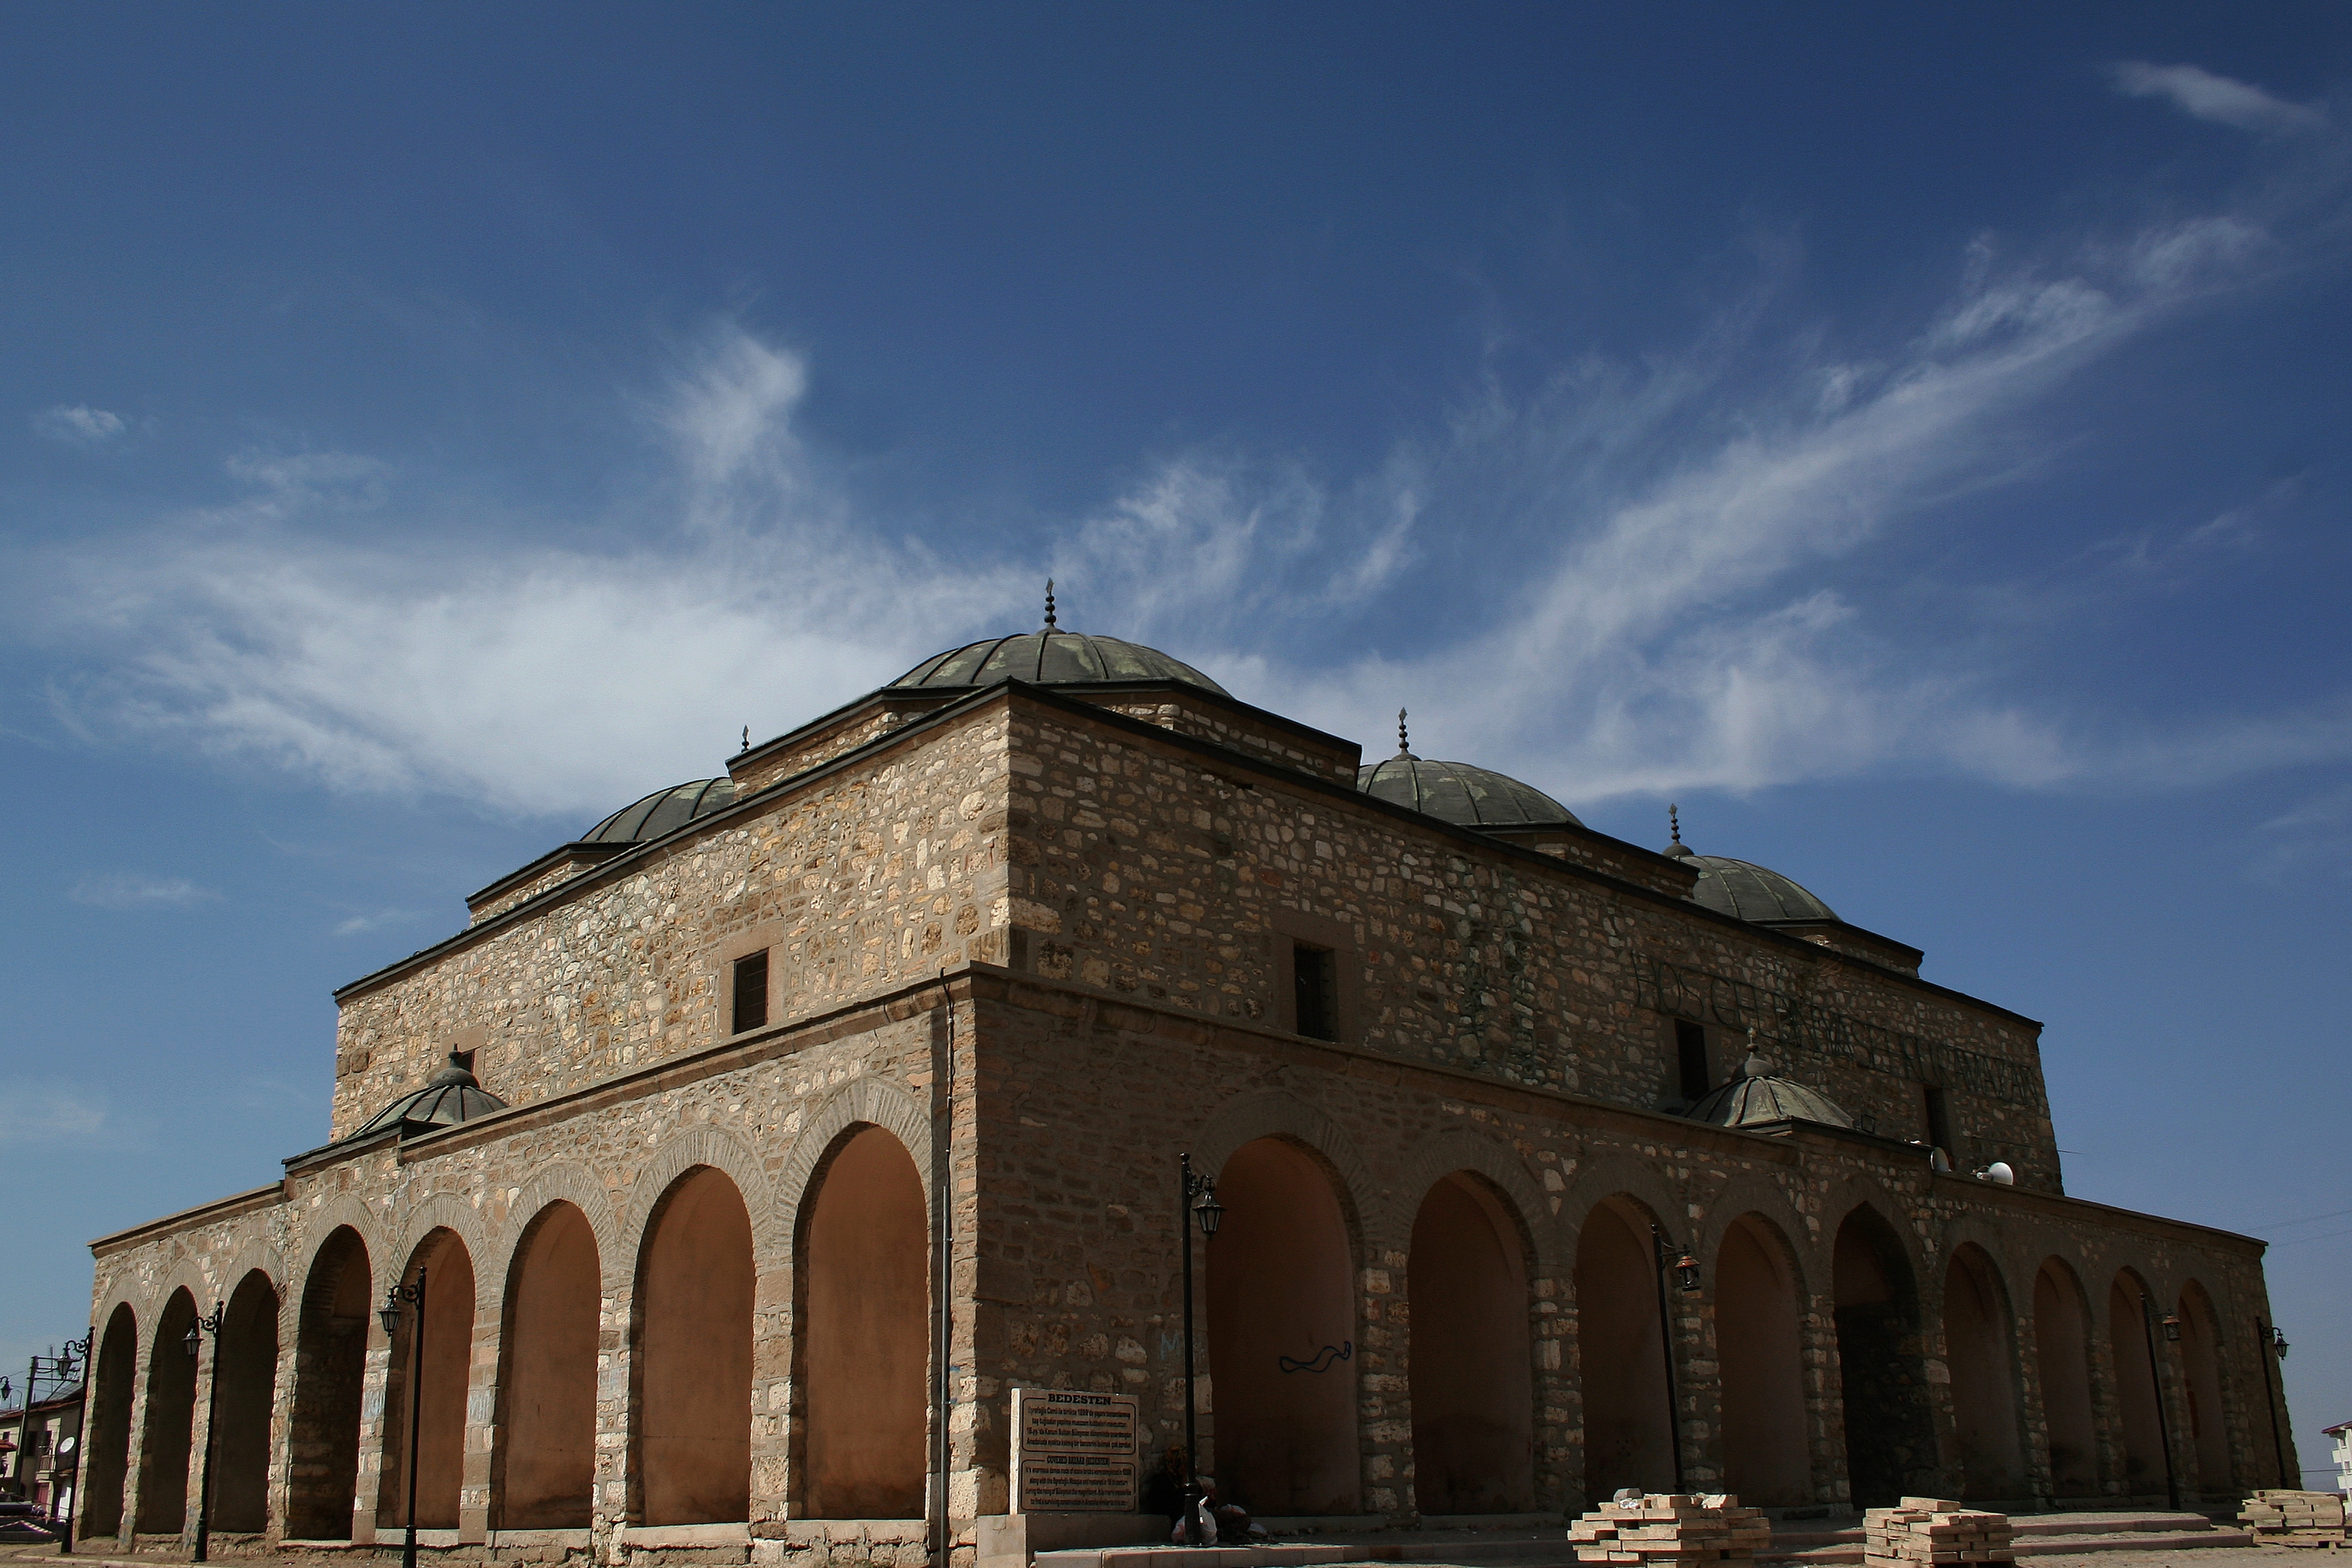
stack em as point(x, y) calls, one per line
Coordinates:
point(2156, 1381)
point(86, 1349)
point(2171, 1326)
point(389, 1315)
point(1678, 1262)
point(2268, 1337)
point(1196, 1199)
point(196, 1332)
point(2278, 1341)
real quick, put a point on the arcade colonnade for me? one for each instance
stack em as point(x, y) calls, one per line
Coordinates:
point(717, 1359)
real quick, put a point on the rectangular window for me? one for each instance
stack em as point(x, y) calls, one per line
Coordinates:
point(751, 991)
point(1690, 1052)
point(1314, 973)
point(1939, 1118)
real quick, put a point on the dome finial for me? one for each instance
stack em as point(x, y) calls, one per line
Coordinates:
point(1677, 849)
point(1050, 625)
point(746, 737)
point(1404, 745)
point(1755, 1066)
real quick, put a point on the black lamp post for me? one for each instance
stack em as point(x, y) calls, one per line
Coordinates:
point(2156, 1381)
point(1678, 1262)
point(389, 1314)
point(84, 1348)
point(196, 1332)
point(2268, 1341)
point(1196, 1201)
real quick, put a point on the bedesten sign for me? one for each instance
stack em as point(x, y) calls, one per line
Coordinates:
point(1073, 1453)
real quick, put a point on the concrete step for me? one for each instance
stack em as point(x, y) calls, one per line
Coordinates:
point(2036, 1535)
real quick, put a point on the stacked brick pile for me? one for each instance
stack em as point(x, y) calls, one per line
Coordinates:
point(1670, 1530)
point(2295, 1519)
point(1934, 1531)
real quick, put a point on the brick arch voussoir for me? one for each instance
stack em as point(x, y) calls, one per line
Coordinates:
point(1999, 1252)
point(863, 1101)
point(689, 1150)
point(1277, 1114)
point(260, 1254)
point(1784, 1225)
point(319, 1226)
point(1621, 1177)
point(187, 1275)
point(1442, 1153)
point(1851, 1192)
point(114, 1291)
point(565, 1183)
point(442, 1211)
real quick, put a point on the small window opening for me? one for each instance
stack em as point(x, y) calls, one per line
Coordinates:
point(1940, 1118)
point(751, 991)
point(1690, 1052)
point(1312, 973)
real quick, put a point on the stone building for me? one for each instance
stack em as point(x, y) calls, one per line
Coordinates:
point(753, 1148)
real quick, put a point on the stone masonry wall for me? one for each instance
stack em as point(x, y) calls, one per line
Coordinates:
point(1145, 870)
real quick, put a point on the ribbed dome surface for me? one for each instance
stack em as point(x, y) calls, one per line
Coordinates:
point(1757, 1097)
point(664, 811)
point(1458, 792)
point(1749, 892)
point(1053, 658)
point(450, 1096)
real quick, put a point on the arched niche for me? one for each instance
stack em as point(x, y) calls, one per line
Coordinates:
point(247, 1375)
point(322, 1447)
point(107, 1446)
point(1620, 1354)
point(1472, 1375)
point(2200, 1364)
point(544, 1472)
point(436, 1384)
point(1890, 1434)
point(692, 1369)
point(1282, 1327)
point(2130, 1317)
point(168, 1430)
point(1759, 1346)
point(1979, 1353)
point(863, 1343)
point(2062, 1348)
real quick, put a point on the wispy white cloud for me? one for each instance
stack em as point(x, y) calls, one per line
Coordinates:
point(129, 891)
point(380, 918)
point(52, 1112)
point(78, 425)
point(2314, 838)
point(2220, 99)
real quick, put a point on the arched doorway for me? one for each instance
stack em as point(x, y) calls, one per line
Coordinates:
point(1473, 1382)
point(1890, 1434)
point(1760, 1344)
point(1282, 1328)
point(2062, 1348)
point(330, 1342)
point(545, 1473)
point(693, 1365)
point(248, 1371)
point(107, 1446)
point(2136, 1399)
point(2201, 1361)
point(444, 1376)
point(1628, 1434)
point(864, 1344)
point(1984, 1391)
point(163, 1442)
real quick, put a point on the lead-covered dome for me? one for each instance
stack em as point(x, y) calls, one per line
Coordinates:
point(662, 812)
point(1051, 657)
point(450, 1096)
point(1741, 888)
point(1459, 792)
point(1756, 1098)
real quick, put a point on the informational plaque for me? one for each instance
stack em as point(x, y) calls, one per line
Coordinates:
point(1072, 1452)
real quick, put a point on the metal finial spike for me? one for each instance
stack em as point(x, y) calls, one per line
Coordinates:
point(1674, 820)
point(746, 737)
point(1404, 744)
point(1050, 624)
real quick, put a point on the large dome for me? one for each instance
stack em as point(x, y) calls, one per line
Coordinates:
point(1051, 657)
point(1459, 792)
point(1742, 889)
point(662, 812)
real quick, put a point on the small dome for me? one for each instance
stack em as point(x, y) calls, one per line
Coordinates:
point(1751, 892)
point(1458, 792)
point(1756, 1098)
point(1052, 656)
point(662, 812)
point(450, 1096)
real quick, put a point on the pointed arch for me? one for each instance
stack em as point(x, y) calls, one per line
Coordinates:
point(543, 1458)
point(323, 1444)
point(2061, 1349)
point(246, 1368)
point(1890, 1434)
point(107, 1446)
point(690, 1372)
point(435, 1384)
point(1470, 1363)
point(2200, 1364)
point(168, 1430)
point(1759, 1325)
point(703, 1148)
point(1981, 1359)
point(1620, 1350)
point(2138, 1406)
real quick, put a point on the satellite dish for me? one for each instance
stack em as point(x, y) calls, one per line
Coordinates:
point(2000, 1173)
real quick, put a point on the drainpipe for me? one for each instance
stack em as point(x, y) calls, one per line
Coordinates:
point(943, 1291)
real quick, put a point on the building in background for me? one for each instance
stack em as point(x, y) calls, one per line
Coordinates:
point(38, 1455)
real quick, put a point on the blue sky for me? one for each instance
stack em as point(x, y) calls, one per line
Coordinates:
point(1914, 440)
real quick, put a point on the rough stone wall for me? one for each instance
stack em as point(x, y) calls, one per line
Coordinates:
point(820, 743)
point(859, 880)
point(1145, 870)
point(1201, 715)
point(561, 871)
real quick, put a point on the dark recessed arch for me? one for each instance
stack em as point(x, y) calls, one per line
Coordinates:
point(1760, 1317)
point(1890, 1434)
point(692, 1374)
point(444, 1374)
point(106, 1449)
point(1979, 1351)
point(322, 1445)
point(166, 1434)
point(248, 1371)
point(2062, 1348)
point(1627, 1428)
point(1470, 1363)
point(543, 1474)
